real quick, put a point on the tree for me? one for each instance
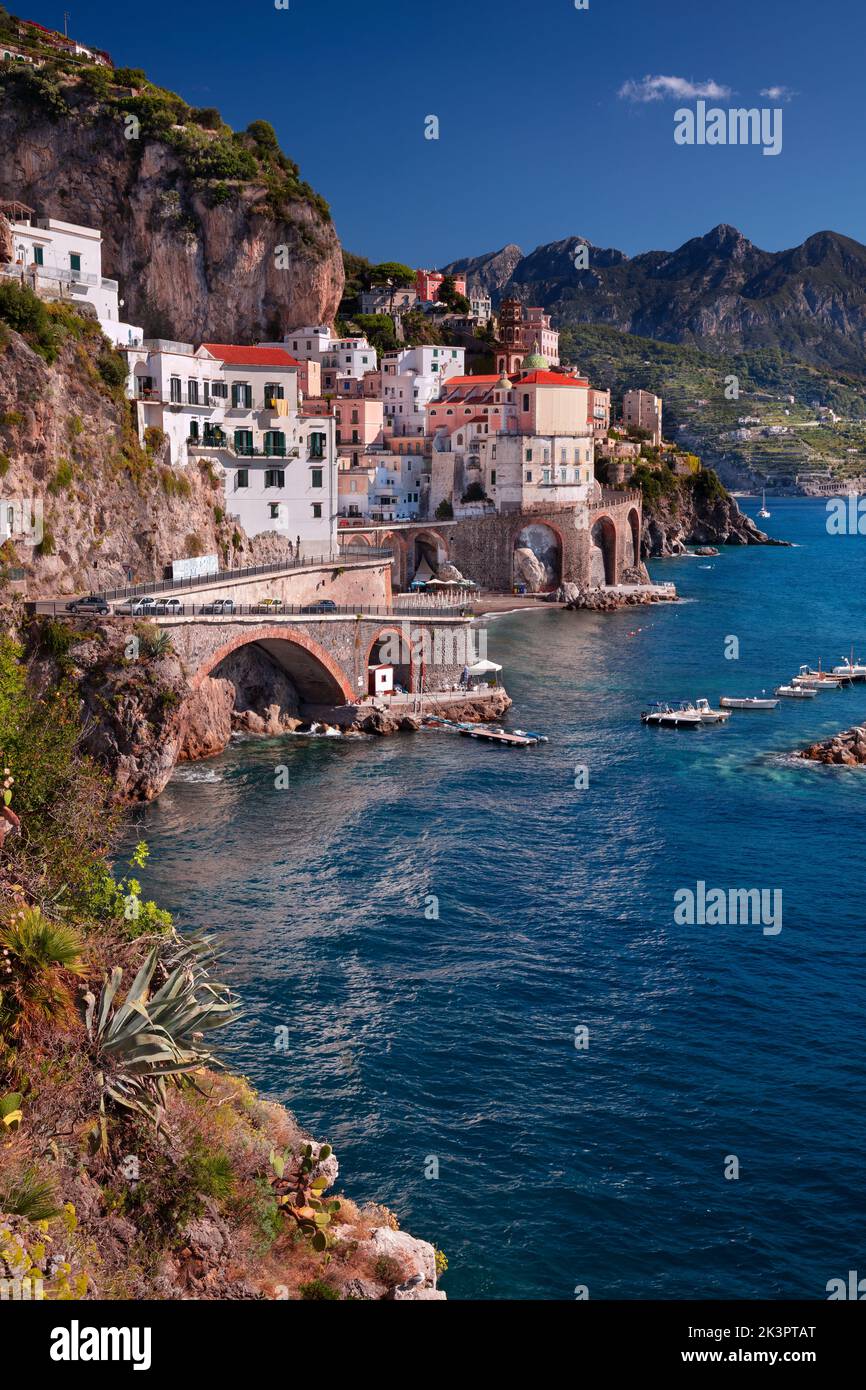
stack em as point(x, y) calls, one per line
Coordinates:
point(401, 275)
point(450, 295)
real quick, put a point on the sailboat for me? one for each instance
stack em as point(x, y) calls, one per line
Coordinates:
point(763, 511)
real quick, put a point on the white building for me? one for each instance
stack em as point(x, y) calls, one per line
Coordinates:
point(343, 360)
point(411, 378)
point(60, 260)
point(239, 407)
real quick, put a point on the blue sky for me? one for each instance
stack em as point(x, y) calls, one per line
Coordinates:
point(545, 126)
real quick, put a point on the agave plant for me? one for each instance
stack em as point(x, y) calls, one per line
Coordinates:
point(30, 1196)
point(36, 957)
point(152, 1038)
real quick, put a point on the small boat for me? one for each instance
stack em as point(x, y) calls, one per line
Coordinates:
point(707, 713)
point(796, 692)
point(763, 511)
point(661, 715)
point(819, 680)
point(854, 670)
point(747, 702)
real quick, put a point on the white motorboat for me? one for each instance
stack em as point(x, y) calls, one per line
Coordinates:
point(707, 713)
point(747, 702)
point(662, 715)
point(796, 692)
point(818, 680)
point(854, 670)
point(763, 511)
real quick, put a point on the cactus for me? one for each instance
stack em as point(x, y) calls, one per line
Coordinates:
point(299, 1197)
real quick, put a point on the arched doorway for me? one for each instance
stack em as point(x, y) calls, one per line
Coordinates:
point(602, 555)
point(393, 647)
point(537, 558)
point(427, 551)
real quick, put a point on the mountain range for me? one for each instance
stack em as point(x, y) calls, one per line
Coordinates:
point(719, 292)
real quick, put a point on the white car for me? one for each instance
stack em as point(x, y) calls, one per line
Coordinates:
point(170, 606)
point(138, 607)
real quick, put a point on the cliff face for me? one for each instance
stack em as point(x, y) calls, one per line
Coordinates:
point(189, 267)
point(686, 517)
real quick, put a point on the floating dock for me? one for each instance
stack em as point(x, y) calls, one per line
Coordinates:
point(516, 738)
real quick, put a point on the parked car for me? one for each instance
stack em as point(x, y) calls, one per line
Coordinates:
point(139, 607)
point(91, 604)
point(220, 605)
point(269, 605)
point(324, 605)
point(170, 606)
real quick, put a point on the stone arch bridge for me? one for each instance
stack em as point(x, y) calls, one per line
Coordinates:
point(327, 657)
point(591, 544)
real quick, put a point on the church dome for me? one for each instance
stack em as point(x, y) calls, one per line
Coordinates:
point(535, 362)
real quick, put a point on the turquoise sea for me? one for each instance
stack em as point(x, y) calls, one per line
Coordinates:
point(432, 919)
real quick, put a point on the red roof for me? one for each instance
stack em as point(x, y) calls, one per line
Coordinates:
point(238, 356)
point(470, 380)
point(550, 379)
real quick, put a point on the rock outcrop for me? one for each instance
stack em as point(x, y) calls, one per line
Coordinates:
point(606, 600)
point(196, 257)
point(689, 517)
point(847, 749)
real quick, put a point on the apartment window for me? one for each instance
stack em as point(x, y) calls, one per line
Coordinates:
point(192, 391)
point(242, 395)
point(274, 508)
point(174, 392)
point(74, 261)
point(526, 401)
point(317, 510)
point(193, 429)
point(493, 477)
point(274, 391)
point(206, 389)
point(275, 444)
point(315, 477)
point(356, 438)
point(545, 473)
point(242, 478)
point(529, 475)
point(275, 477)
point(563, 475)
point(220, 390)
point(317, 445)
point(243, 442)
point(528, 455)
point(38, 255)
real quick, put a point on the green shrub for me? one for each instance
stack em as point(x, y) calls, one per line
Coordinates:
point(5, 465)
point(174, 484)
point(25, 313)
point(112, 367)
point(130, 77)
point(193, 546)
point(154, 439)
point(63, 476)
point(317, 1289)
point(30, 1196)
point(47, 545)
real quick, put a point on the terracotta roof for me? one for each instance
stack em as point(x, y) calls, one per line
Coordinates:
point(472, 380)
point(550, 379)
point(239, 356)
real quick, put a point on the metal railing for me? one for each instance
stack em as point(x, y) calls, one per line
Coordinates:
point(239, 574)
point(216, 609)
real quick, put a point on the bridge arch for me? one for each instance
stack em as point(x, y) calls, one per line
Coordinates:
point(427, 545)
point(603, 567)
point(632, 539)
point(398, 545)
point(318, 678)
point(545, 542)
point(381, 651)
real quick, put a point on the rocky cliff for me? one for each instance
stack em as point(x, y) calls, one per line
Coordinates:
point(685, 515)
point(211, 234)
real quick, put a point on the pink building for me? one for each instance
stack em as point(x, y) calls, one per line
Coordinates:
point(359, 425)
point(599, 412)
point(429, 282)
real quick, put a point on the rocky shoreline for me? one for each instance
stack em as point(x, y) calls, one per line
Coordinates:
point(847, 749)
point(600, 600)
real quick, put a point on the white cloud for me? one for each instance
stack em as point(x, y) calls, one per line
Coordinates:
point(778, 93)
point(671, 89)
